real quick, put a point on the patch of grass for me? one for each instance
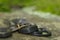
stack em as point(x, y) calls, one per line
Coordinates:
point(52, 6)
point(4, 5)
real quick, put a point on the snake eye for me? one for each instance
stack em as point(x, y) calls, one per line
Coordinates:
point(24, 24)
point(20, 25)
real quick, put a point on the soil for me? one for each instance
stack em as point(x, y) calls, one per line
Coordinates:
point(53, 26)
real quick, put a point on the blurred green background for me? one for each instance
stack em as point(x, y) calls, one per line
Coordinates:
point(52, 6)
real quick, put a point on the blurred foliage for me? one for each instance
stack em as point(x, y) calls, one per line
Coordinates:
point(52, 6)
point(4, 5)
